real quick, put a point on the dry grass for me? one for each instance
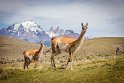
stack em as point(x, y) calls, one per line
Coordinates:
point(101, 46)
point(105, 71)
point(95, 62)
point(13, 48)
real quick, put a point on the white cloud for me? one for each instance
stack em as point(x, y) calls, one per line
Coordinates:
point(69, 15)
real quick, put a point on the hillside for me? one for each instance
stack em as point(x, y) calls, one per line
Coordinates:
point(102, 46)
point(92, 46)
point(13, 48)
point(95, 62)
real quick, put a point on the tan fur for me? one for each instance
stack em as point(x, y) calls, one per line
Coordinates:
point(70, 45)
point(64, 40)
point(32, 54)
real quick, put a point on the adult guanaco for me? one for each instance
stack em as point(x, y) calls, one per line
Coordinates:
point(67, 44)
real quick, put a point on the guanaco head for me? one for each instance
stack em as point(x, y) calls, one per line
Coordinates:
point(42, 43)
point(84, 27)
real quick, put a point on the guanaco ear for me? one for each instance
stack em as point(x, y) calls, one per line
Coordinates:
point(86, 24)
point(43, 42)
point(82, 24)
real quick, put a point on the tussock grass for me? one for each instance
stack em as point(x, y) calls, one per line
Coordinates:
point(106, 71)
point(95, 62)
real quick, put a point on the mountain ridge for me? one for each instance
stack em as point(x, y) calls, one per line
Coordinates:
point(32, 32)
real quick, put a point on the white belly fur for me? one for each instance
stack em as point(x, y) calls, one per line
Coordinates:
point(79, 45)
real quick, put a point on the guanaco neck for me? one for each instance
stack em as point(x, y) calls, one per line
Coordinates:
point(81, 36)
point(41, 48)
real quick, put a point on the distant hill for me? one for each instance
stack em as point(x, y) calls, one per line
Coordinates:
point(102, 46)
point(13, 47)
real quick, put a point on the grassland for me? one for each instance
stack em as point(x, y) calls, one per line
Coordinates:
point(95, 62)
point(104, 71)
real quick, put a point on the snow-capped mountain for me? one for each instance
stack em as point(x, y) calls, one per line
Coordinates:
point(32, 32)
point(60, 32)
point(55, 32)
point(27, 30)
point(71, 33)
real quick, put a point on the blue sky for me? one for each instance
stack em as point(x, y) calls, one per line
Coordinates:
point(105, 17)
